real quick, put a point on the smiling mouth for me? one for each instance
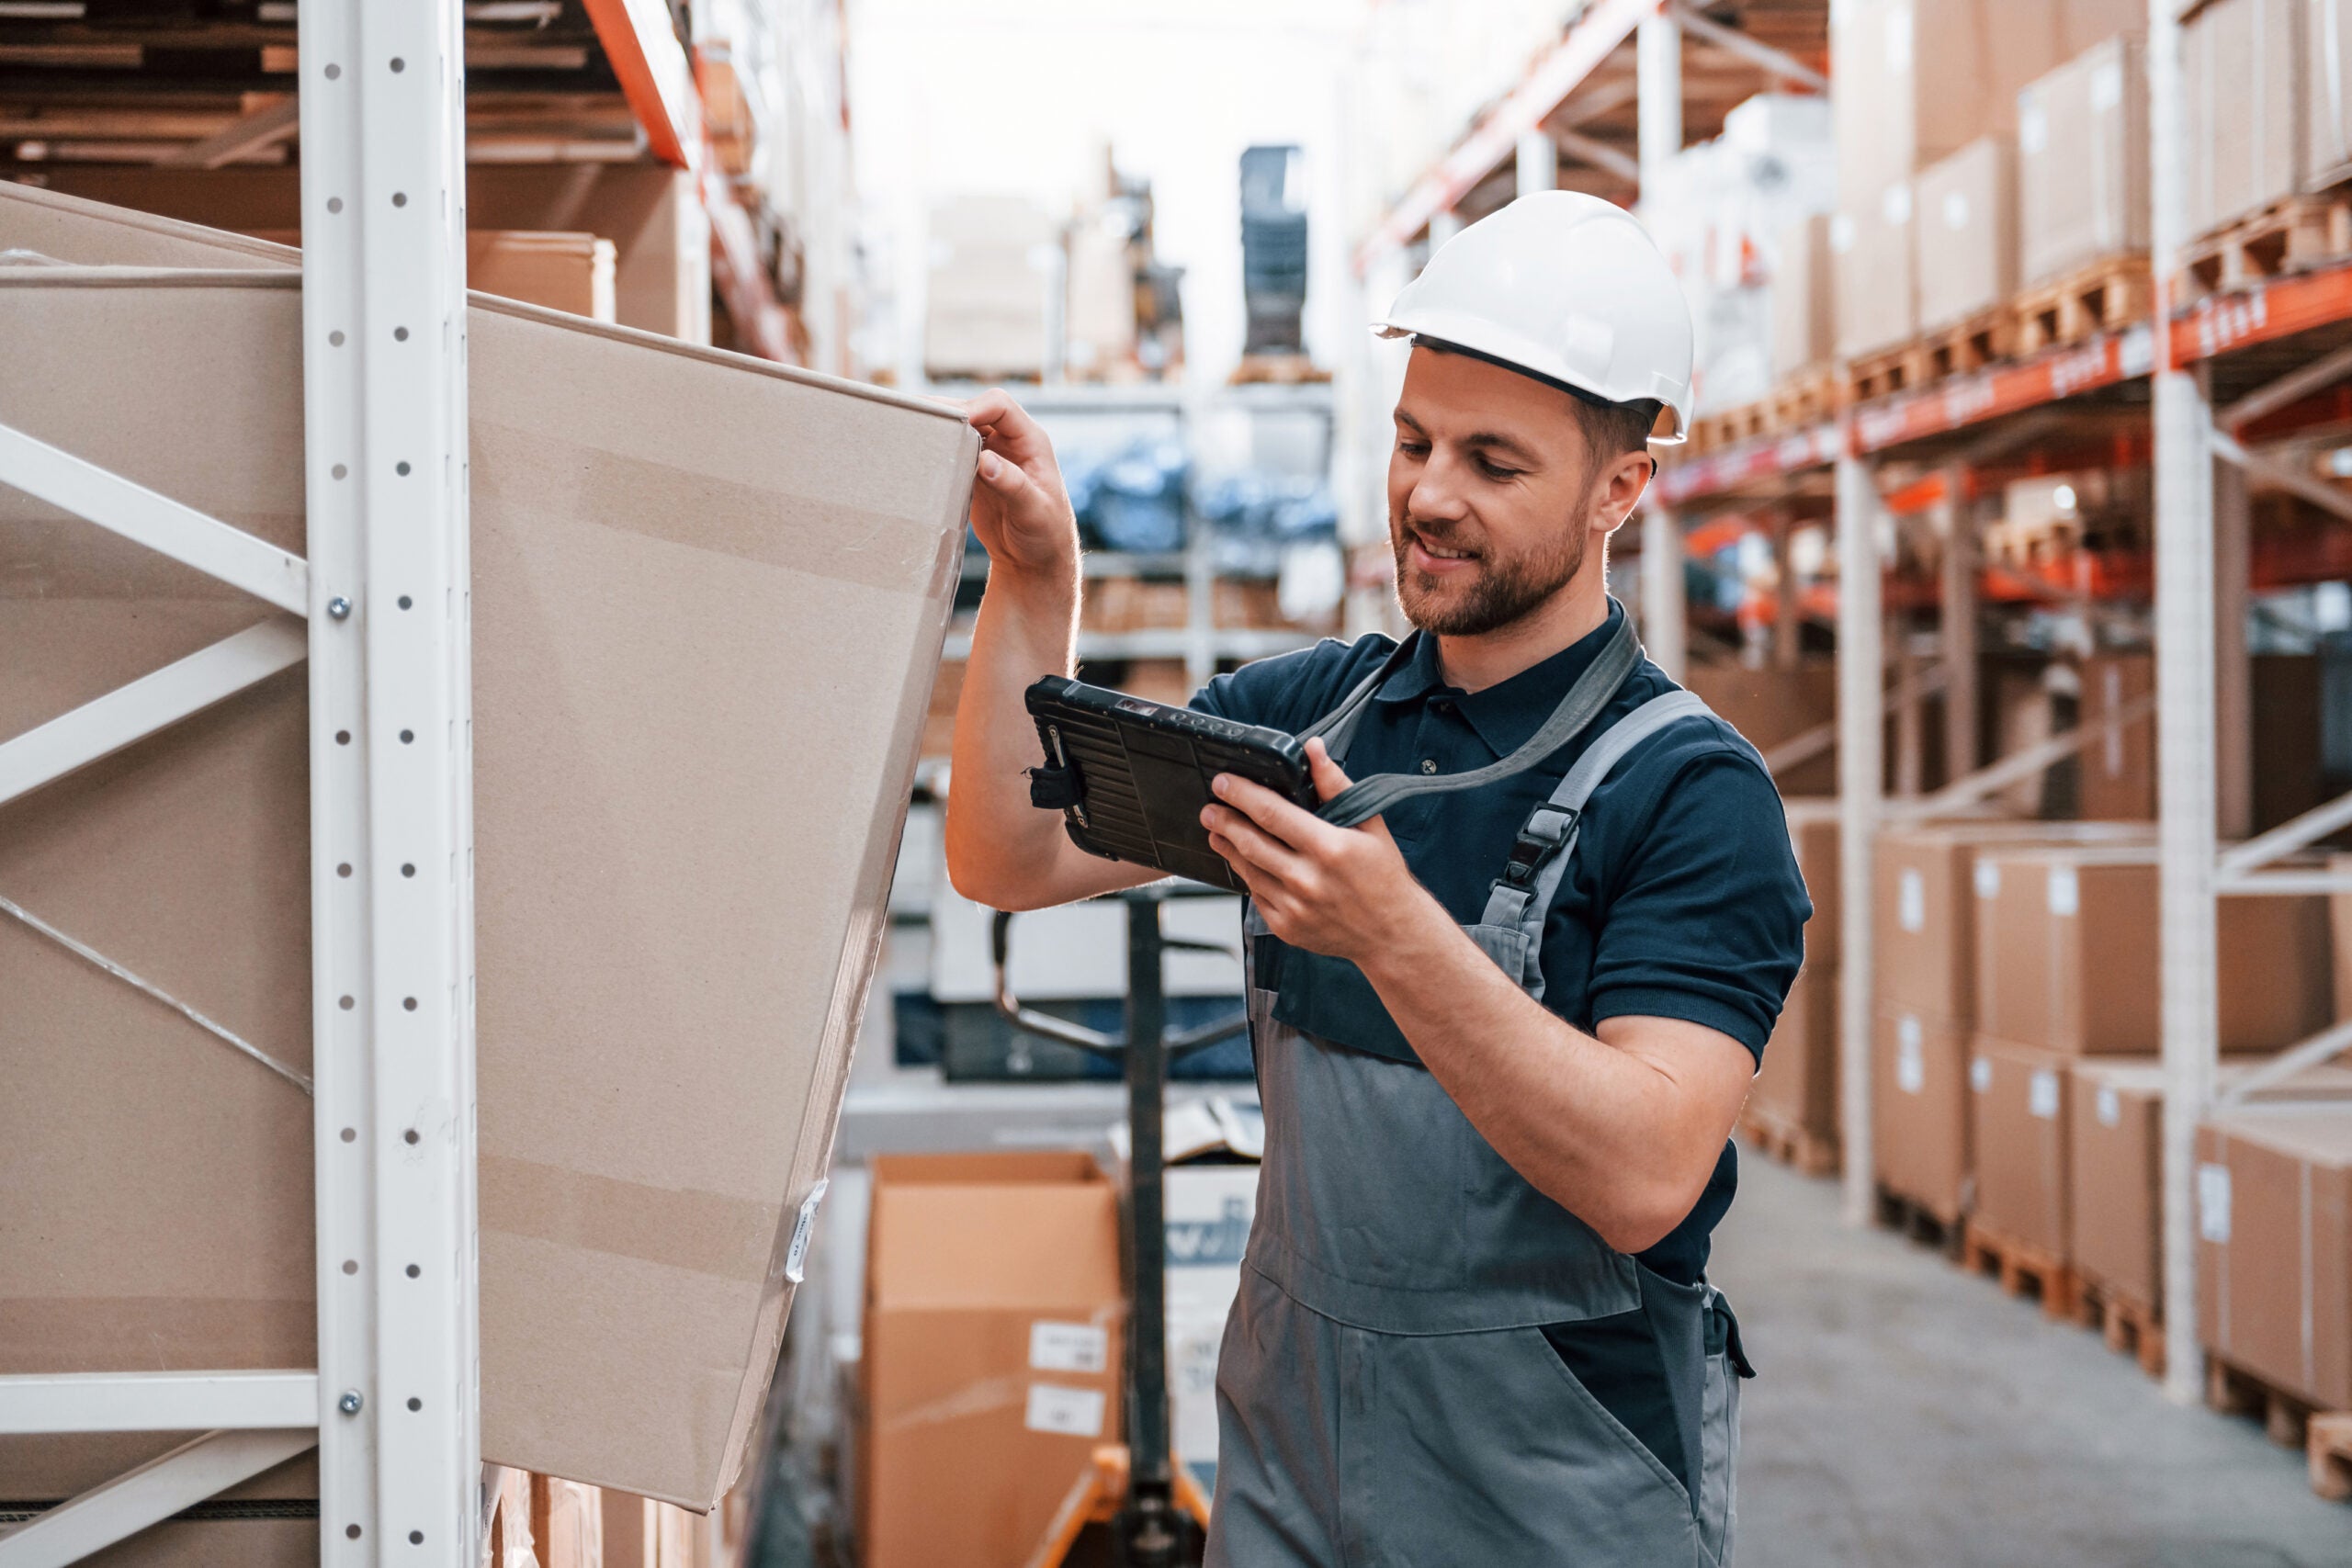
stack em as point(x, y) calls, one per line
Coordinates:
point(1437, 552)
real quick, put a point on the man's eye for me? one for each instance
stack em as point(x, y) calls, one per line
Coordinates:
point(1414, 448)
point(1496, 471)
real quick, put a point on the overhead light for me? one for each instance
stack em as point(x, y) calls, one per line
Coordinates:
point(2339, 462)
point(2062, 497)
point(278, 11)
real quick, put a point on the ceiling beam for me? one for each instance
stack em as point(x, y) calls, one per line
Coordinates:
point(1748, 47)
point(1599, 154)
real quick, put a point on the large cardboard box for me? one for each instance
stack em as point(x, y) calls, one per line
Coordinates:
point(1919, 1111)
point(2327, 93)
point(2017, 1119)
point(2116, 774)
point(1966, 232)
point(2067, 954)
point(563, 272)
point(993, 1354)
point(2274, 1254)
point(1813, 829)
point(1804, 299)
point(664, 1039)
point(2243, 83)
point(1772, 705)
point(1797, 1084)
point(1878, 271)
point(2082, 162)
point(994, 274)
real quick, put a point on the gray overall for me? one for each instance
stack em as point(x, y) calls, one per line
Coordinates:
point(1385, 1395)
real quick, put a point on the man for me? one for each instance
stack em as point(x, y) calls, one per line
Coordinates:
point(1503, 1028)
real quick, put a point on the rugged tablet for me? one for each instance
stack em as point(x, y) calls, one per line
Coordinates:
point(1130, 775)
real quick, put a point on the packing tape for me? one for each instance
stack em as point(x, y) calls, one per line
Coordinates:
point(701, 1232)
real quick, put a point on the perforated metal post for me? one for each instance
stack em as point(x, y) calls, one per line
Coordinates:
point(2185, 729)
point(1862, 718)
point(391, 848)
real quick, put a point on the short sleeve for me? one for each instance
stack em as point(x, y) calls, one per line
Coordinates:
point(1706, 922)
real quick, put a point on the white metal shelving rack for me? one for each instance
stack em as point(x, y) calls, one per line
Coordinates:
point(393, 1404)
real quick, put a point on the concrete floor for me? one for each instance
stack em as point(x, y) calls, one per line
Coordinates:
point(1908, 1416)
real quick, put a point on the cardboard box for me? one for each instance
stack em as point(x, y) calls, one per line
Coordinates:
point(1804, 299)
point(2241, 85)
point(2274, 1254)
point(2339, 929)
point(1772, 705)
point(2082, 162)
point(663, 1040)
point(2116, 774)
point(1925, 899)
point(1920, 1124)
point(1813, 829)
point(1966, 232)
point(993, 1354)
point(1797, 1084)
point(2017, 1125)
point(2327, 93)
point(1210, 1208)
point(994, 273)
point(563, 272)
point(1877, 267)
point(2067, 954)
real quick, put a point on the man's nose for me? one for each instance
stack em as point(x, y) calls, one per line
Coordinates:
point(1435, 494)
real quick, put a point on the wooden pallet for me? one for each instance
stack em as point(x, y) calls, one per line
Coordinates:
point(2091, 299)
point(2019, 1265)
point(2328, 1444)
point(1984, 338)
point(1713, 432)
point(1278, 369)
point(1805, 399)
point(1909, 1218)
point(2287, 236)
point(1886, 372)
point(2129, 1327)
point(1807, 1152)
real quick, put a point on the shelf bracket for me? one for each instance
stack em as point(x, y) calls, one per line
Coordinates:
point(132, 1501)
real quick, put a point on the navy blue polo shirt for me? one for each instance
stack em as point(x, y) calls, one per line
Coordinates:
point(1683, 899)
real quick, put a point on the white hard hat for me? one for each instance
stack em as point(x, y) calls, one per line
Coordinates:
point(1568, 289)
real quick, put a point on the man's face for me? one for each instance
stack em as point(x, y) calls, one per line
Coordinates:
point(1490, 493)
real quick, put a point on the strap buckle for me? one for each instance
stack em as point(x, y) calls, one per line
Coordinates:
point(1547, 828)
point(1055, 789)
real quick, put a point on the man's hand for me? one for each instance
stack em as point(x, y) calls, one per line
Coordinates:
point(1339, 891)
point(1020, 509)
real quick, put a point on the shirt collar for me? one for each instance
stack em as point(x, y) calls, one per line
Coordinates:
point(1507, 713)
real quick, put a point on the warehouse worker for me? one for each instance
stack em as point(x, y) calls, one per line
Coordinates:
point(1503, 1027)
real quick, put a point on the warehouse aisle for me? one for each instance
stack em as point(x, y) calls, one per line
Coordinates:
point(1911, 1417)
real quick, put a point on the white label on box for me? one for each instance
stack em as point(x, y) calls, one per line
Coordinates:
point(1069, 1347)
point(1071, 1412)
point(2041, 1095)
point(796, 1254)
point(1911, 901)
point(1898, 38)
point(1841, 233)
point(2213, 1202)
point(2110, 1106)
point(1895, 204)
point(2106, 84)
point(1980, 1073)
point(2065, 892)
point(1955, 210)
point(1910, 1064)
point(2033, 123)
point(1988, 880)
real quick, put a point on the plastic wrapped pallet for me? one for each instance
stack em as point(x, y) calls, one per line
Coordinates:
point(2082, 162)
point(1966, 232)
point(705, 591)
point(994, 274)
point(2242, 81)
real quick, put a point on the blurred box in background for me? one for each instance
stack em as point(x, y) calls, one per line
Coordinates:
point(993, 279)
point(2327, 93)
point(2082, 162)
point(1919, 1113)
point(2016, 1111)
point(2241, 85)
point(1966, 232)
point(1804, 299)
point(2274, 1264)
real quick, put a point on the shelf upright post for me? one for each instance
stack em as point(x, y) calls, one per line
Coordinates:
point(1536, 163)
point(2233, 658)
point(391, 830)
point(2185, 729)
point(1665, 638)
point(1961, 561)
point(1862, 718)
point(1657, 94)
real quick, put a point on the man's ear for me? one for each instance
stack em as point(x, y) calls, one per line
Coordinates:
point(1620, 490)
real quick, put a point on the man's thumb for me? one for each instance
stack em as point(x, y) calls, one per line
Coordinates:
point(1330, 778)
point(1005, 479)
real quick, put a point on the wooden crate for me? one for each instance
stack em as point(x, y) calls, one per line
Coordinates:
point(2100, 297)
point(2019, 1267)
point(1885, 372)
point(2130, 1326)
point(1983, 339)
point(2293, 235)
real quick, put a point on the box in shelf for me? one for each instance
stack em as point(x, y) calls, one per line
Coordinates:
point(1797, 1082)
point(1966, 234)
point(2082, 162)
point(2242, 70)
point(2017, 1117)
point(662, 1042)
point(1804, 299)
point(2274, 1253)
point(1919, 1111)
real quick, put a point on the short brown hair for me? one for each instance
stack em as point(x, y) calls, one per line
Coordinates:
point(1611, 430)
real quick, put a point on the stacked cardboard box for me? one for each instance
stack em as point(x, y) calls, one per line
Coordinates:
point(664, 1042)
point(2067, 967)
point(2274, 1253)
point(1804, 299)
point(2116, 774)
point(2328, 93)
point(991, 1357)
point(993, 281)
point(1966, 232)
point(1916, 81)
point(2242, 77)
point(1772, 705)
point(2082, 162)
point(1796, 1088)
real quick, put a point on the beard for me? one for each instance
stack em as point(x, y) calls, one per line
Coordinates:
point(1501, 590)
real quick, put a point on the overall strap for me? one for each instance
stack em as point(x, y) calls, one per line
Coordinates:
point(1338, 726)
point(1367, 798)
point(1540, 855)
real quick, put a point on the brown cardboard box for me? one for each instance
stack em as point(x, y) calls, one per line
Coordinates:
point(2243, 87)
point(662, 1040)
point(1925, 901)
point(1796, 1087)
point(2327, 93)
point(2066, 955)
point(563, 272)
point(2339, 927)
point(1966, 232)
point(2016, 1119)
point(1878, 271)
point(2082, 162)
point(1804, 300)
point(1813, 830)
point(2274, 1254)
point(1919, 1111)
point(992, 1356)
point(2116, 774)
point(1770, 706)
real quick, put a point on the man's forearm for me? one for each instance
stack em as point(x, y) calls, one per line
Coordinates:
point(1606, 1132)
point(1028, 630)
